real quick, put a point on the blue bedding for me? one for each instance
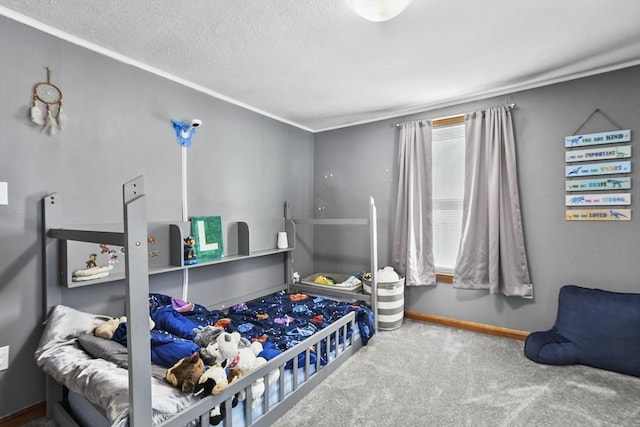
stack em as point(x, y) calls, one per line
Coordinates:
point(279, 321)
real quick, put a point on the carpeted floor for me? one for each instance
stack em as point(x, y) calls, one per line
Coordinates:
point(40, 422)
point(430, 375)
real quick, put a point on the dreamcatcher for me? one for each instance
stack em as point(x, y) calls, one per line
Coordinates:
point(50, 95)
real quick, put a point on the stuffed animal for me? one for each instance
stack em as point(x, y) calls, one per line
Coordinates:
point(228, 346)
point(241, 361)
point(186, 373)
point(217, 414)
point(108, 327)
point(205, 337)
point(214, 381)
point(210, 352)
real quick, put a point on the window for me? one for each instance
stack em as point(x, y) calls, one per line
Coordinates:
point(448, 191)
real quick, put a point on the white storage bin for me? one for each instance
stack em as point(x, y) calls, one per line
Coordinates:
point(390, 303)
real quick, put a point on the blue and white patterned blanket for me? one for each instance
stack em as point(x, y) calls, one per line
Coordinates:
point(281, 319)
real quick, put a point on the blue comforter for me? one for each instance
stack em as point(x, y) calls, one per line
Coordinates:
point(279, 321)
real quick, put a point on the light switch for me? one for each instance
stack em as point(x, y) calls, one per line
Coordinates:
point(4, 358)
point(4, 193)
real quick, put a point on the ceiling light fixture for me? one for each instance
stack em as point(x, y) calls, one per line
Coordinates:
point(379, 10)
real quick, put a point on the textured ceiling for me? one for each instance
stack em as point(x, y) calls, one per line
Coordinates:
point(318, 66)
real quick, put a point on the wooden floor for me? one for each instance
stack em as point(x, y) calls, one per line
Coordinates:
point(25, 415)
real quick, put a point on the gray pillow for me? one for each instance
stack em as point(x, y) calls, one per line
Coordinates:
point(114, 352)
point(104, 349)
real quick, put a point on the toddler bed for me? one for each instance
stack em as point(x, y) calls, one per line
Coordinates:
point(301, 328)
point(106, 382)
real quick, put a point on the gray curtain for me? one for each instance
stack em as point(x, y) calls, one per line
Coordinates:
point(412, 250)
point(492, 252)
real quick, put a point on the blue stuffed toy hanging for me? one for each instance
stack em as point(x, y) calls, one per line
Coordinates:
point(184, 131)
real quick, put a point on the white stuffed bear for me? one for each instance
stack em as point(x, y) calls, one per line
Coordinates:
point(244, 360)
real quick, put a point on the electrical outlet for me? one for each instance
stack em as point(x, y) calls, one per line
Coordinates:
point(4, 358)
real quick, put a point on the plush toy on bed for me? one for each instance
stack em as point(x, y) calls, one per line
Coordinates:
point(205, 337)
point(239, 357)
point(214, 381)
point(108, 327)
point(186, 373)
point(241, 361)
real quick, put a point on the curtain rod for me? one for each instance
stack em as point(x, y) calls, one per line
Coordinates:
point(509, 106)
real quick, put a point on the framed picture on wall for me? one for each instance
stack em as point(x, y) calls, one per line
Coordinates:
point(207, 232)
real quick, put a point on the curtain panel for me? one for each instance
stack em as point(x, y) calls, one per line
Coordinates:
point(492, 253)
point(412, 250)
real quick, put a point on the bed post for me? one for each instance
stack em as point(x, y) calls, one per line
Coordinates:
point(290, 228)
point(137, 303)
point(51, 219)
point(373, 244)
point(52, 292)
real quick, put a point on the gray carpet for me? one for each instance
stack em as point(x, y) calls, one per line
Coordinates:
point(40, 422)
point(430, 375)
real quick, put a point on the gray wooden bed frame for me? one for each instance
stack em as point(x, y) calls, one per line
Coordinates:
point(134, 239)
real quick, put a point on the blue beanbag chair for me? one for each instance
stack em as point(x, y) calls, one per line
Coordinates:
point(593, 327)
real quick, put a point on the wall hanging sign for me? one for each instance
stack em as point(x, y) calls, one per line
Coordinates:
point(617, 203)
point(604, 153)
point(607, 168)
point(598, 215)
point(598, 184)
point(601, 199)
point(610, 137)
point(207, 232)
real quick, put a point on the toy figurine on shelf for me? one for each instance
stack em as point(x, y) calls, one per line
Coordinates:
point(92, 270)
point(92, 261)
point(190, 251)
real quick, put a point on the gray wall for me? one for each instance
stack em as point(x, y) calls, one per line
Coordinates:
point(352, 163)
point(242, 166)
